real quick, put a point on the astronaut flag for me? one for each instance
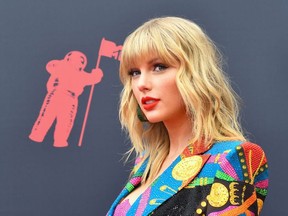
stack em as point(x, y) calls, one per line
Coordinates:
point(107, 49)
point(66, 83)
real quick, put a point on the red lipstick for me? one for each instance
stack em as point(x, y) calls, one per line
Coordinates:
point(149, 103)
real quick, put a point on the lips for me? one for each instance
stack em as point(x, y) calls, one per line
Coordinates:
point(149, 103)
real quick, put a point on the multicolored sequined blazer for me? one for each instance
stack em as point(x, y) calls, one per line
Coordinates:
point(230, 179)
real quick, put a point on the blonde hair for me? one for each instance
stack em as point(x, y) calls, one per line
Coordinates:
point(211, 104)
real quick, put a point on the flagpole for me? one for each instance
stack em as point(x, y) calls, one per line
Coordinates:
point(88, 106)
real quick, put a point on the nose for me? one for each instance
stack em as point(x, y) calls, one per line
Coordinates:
point(144, 82)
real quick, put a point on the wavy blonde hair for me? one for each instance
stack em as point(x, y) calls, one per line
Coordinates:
point(211, 104)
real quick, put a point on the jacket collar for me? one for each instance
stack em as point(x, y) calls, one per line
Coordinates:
point(181, 172)
point(134, 181)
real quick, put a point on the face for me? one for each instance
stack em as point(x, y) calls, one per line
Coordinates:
point(154, 87)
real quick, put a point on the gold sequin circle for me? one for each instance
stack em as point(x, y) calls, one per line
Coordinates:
point(187, 168)
point(218, 196)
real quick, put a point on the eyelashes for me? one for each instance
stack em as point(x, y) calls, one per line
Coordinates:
point(158, 67)
point(133, 72)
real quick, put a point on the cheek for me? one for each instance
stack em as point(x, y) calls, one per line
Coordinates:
point(135, 92)
point(175, 96)
point(171, 89)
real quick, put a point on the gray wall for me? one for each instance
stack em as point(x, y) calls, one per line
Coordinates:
point(39, 179)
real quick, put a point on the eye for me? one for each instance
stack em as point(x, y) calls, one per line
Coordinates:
point(159, 67)
point(134, 72)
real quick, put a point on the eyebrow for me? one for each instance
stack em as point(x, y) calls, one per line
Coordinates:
point(153, 60)
point(150, 62)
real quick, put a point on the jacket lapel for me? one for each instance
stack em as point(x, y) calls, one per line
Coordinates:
point(181, 172)
point(129, 187)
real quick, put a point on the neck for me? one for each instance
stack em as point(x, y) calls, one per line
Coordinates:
point(180, 132)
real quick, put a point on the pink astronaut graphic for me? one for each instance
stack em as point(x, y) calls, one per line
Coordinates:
point(66, 83)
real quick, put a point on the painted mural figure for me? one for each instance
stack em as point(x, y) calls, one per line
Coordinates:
point(67, 81)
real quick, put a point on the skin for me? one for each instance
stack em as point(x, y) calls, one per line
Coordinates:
point(157, 80)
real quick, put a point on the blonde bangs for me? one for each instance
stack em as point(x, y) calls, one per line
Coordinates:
point(143, 44)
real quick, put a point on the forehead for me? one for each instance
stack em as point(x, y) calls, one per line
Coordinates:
point(148, 55)
point(144, 60)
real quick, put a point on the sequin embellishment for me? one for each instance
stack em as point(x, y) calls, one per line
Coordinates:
point(187, 168)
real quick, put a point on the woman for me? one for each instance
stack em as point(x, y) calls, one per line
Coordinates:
point(192, 156)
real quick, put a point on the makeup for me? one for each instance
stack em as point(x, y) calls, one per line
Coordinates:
point(149, 103)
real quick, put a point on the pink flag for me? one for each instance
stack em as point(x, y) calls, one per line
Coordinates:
point(109, 49)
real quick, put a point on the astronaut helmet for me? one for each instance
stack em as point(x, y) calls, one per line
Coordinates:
point(77, 58)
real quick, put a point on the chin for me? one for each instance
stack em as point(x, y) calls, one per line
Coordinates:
point(154, 119)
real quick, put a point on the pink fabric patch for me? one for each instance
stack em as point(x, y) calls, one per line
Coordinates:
point(227, 168)
point(143, 202)
point(135, 180)
point(122, 208)
point(211, 159)
point(262, 184)
point(223, 211)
